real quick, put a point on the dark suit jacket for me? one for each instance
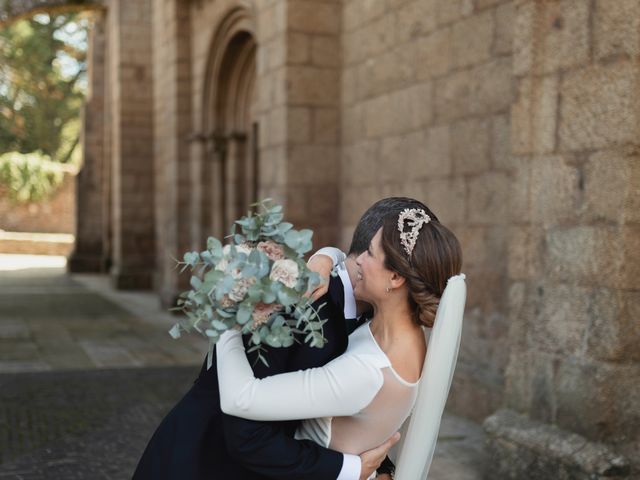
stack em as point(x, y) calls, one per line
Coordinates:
point(197, 441)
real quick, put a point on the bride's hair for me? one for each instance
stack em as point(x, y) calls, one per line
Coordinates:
point(436, 257)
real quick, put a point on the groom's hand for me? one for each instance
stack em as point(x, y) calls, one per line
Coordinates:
point(371, 459)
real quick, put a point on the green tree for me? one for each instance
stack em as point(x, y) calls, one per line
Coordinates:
point(42, 84)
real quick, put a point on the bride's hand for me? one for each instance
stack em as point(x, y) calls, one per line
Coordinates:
point(322, 265)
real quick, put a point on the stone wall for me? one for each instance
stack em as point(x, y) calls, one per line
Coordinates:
point(56, 214)
point(574, 238)
point(427, 86)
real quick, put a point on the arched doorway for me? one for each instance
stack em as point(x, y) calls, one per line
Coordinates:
point(230, 163)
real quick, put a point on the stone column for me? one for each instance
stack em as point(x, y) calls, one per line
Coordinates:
point(298, 68)
point(172, 108)
point(573, 381)
point(89, 250)
point(131, 97)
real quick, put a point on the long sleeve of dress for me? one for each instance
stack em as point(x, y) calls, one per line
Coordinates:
point(335, 254)
point(342, 387)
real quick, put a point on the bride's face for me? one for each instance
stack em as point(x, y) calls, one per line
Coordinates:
point(372, 278)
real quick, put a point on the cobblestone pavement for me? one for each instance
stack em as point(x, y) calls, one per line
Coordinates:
point(87, 373)
point(91, 424)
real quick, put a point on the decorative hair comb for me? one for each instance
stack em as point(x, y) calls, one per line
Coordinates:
point(415, 218)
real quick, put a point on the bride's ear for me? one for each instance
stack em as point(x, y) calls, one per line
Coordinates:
point(397, 280)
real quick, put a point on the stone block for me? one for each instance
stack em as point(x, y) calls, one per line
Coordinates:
point(487, 201)
point(325, 51)
point(386, 72)
point(355, 201)
point(353, 126)
point(326, 125)
point(533, 116)
point(452, 96)
point(505, 20)
point(312, 164)
point(482, 4)
point(599, 106)
point(501, 142)
point(433, 54)
point(276, 51)
point(349, 89)
point(593, 255)
point(550, 36)
point(379, 35)
point(359, 12)
point(415, 19)
point(446, 198)
point(471, 149)
point(524, 448)
point(525, 252)
point(298, 48)
point(471, 40)
point(554, 190)
point(492, 87)
point(309, 16)
point(597, 399)
point(271, 21)
point(276, 132)
point(392, 161)
point(614, 333)
point(616, 28)
point(519, 197)
point(612, 187)
point(562, 322)
point(518, 314)
point(398, 112)
point(451, 10)
point(359, 163)
point(313, 86)
point(298, 125)
point(429, 153)
point(529, 385)
point(272, 166)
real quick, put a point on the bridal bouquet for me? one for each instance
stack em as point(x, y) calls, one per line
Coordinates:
point(256, 283)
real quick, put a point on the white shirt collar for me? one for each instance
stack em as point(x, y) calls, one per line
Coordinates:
point(349, 298)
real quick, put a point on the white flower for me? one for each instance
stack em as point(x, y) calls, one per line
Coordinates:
point(239, 290)
point(226, 253)
point(285, 271)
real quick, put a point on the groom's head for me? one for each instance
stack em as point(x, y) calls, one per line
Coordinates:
point(373, 218)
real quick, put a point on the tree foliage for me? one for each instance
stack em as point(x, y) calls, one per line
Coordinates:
point(42, 84)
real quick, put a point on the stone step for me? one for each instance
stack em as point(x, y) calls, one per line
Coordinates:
point(36, 243)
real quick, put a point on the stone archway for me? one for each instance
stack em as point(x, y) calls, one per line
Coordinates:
point(229, 169)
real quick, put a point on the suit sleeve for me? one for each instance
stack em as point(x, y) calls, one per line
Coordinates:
point(269, 449)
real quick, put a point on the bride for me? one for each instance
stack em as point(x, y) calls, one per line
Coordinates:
point(361, 398)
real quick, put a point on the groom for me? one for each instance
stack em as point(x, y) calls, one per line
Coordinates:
point(197, 441)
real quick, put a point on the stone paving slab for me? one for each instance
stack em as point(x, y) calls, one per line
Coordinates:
point(50, 320)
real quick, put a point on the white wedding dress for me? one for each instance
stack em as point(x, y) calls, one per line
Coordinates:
point(351, 404)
